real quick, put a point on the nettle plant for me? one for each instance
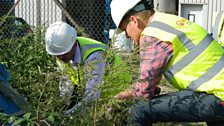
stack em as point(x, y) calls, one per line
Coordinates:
point(35, 75)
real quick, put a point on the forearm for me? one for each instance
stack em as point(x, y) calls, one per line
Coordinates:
point(155, 55)
point(95, 66)
point(129, 94)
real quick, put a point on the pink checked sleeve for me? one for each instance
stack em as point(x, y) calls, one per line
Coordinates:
point(155, 55)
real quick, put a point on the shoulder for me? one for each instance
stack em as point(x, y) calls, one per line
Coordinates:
point(145, 38)
point(152, 42)
point(96, 55)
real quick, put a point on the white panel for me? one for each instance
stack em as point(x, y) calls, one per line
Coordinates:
point(205, 1)
point(155, 4)
point(26, 11)
point(210, 15)
point(49, 11)
point(205, 16)
point(218, 5)
point(193, 13)
point(210, 7)
point(179, 9)
point(194, 1)
point(215, 6)
point(222, 4)
point(168, 6)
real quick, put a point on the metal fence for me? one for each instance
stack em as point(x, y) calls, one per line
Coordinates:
point(90, 17)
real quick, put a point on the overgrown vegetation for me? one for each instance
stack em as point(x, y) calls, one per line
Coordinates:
point(34, 74)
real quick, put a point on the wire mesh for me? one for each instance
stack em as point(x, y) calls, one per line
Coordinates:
point(91, 16)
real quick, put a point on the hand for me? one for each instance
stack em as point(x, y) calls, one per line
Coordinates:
point(124, 95)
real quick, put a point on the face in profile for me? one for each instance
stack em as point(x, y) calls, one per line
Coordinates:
point(67, 56)
point(132, 28)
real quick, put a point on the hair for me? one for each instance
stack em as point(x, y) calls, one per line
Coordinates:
point(143, 15)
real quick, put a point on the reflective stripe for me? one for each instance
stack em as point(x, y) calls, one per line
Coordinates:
point(181, 35)
point(208, 75)
point(195, 51)
point(192, 55)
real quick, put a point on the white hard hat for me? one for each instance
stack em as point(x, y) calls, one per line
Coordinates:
point(120, 7)
point(60, 38)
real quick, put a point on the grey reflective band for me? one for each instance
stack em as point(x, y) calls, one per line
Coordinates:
point(192, 55)
point(208, 75)
point(181, 35)
point(194, 51)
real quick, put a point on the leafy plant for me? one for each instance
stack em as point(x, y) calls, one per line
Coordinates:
point(35, 75)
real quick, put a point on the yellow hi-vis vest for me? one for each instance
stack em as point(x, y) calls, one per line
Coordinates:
point(197, 61)
point(87, 47)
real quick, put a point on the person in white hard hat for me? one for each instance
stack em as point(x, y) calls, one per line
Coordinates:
point(181, 50)
point(83, 60)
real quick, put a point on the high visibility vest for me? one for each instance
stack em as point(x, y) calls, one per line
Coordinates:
point(197, 61)
point(87, 47)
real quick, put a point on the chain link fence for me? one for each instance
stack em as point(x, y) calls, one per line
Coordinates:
point(91, 18)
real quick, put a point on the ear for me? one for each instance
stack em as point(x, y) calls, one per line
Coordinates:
point(134, 20)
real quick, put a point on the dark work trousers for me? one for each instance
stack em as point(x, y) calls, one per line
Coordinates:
point(181, 106)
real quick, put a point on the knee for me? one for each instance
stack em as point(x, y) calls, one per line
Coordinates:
point(133, 116)
point(139, 115)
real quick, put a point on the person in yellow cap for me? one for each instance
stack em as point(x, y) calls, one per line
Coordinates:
point(84, 62)
point(189, 58)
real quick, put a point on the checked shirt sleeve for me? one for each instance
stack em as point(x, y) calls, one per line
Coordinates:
point(154, 57)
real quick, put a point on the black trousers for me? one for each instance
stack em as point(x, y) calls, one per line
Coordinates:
point(182, 106)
